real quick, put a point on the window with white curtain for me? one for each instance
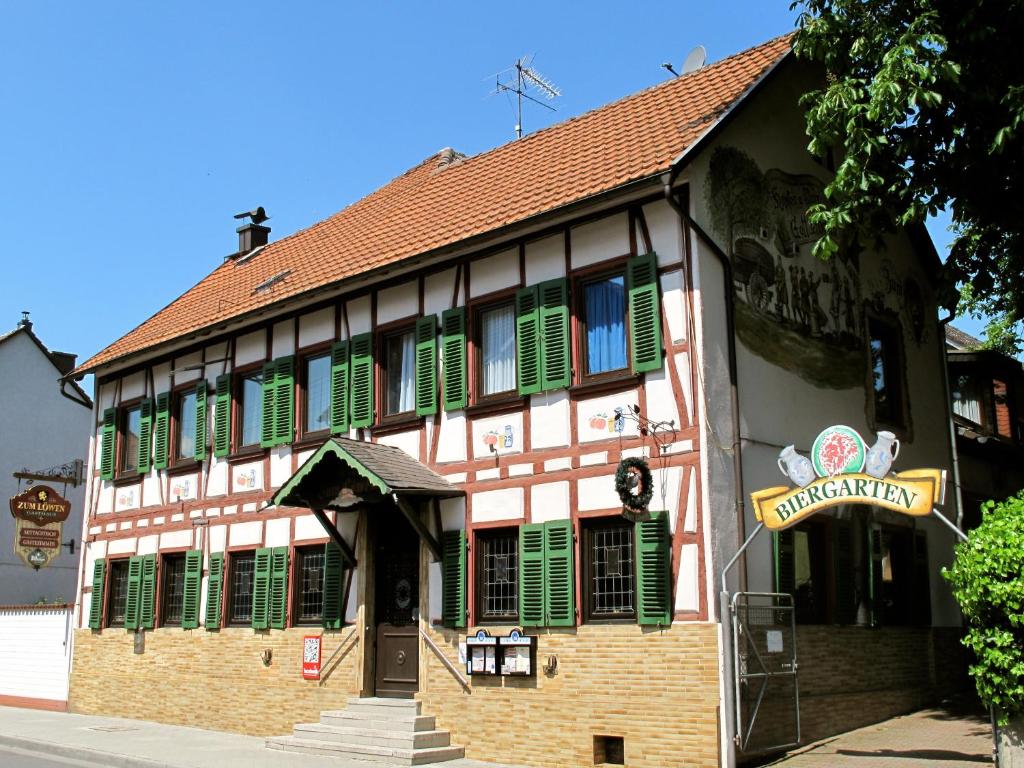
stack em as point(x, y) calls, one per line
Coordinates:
point(968, 396)
point(399, 373)
point(497, 350)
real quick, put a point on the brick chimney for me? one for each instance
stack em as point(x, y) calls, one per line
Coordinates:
point(251, 236)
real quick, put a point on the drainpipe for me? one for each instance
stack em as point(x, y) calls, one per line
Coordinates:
point(944, 360)
point(734, 396)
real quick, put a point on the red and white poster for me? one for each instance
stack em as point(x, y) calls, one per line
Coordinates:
point(311, 657)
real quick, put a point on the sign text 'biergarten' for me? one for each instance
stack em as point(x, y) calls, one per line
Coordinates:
point(843, 470)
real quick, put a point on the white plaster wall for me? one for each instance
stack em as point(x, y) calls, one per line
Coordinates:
point(122, 546)
point(673, 304)
point(284, 338)
point(600, 240)
point(405, 441)
point(502, 504)
point(549, 501)
point(451, 445)
point(250, 348)
point(218, 538)
point(278, 532)
point(661, 401)
point(176, 539)
point(148, 545)
point(494, 273)
point(50, 430)
point(191, 361)
point(398, 302)
point(241, 534)
point(666, 233)
point(597, 493)
point(437, 292)
point(359, 320)
point(280, 465)
point(549, 419)
point(316, 327)
point(545, 259)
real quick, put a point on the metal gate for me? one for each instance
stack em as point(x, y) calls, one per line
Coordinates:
point(767, 694)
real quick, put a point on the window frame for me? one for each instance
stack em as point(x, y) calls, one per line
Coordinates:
point(163, 564)
point(178, 393)
point(228, 587)
point(238, 376)
point(297, 559)
point(580, 280)
point(894, 363)
point(475, 348)
point(108, 604)
point(121, 473)
point(482, 537)
point(383, 334)
point(302, 358)
point(586, 528)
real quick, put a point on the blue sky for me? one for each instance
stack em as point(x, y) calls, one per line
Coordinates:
point(131, 132)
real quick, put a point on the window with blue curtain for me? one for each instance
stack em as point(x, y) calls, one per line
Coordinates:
point(604, 303)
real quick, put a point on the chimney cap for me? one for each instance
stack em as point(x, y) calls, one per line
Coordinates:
point(25, 322)
point(257, 215)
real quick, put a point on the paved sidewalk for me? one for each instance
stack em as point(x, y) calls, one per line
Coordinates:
point(120, 743)
point(938, 738)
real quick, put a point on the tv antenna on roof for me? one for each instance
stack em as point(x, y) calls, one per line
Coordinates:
point(518, 79)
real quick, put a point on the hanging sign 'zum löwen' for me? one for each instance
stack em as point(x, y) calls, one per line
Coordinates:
point(842, 470)
point(39, 514)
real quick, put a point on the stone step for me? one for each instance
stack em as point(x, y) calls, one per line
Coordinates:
point(393, 755)
point(385, 708)
point(378, 737)
point(368, 720)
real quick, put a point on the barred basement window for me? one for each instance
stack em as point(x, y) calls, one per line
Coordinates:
point(608, 556)
point(498, 575)
point(311, 585)
point(242, 566)
point(118, 592)
point(174, 589)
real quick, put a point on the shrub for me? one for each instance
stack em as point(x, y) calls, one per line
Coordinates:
point(987, 579)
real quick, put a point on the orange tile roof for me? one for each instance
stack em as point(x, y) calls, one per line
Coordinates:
point(631, 139)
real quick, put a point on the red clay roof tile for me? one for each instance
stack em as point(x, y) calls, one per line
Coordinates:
point(425, 209)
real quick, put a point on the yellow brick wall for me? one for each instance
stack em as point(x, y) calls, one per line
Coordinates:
point(658, 689)
point(213, 680)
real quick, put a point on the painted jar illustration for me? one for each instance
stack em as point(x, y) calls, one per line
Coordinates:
point(796, 467)
point(882, 455)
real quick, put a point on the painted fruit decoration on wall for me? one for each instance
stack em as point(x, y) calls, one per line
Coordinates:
point(838, 450)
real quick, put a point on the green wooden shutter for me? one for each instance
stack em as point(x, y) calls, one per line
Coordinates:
point(560, 578)
point(527, 341)
point(214, 589)
point(453, 579)
point(193, 589)
point(278, 587)
point(131, 606)
point(162, 430)
point(554, 331)
point(426, 365)
point(222, 417)
point(921, 597)
point(339, 387)
point(261, 590)
point(531, 575)
point(147, 595)
point(284, 400)
point(875, 573)
point(654, 570)
point(145, 435)
point(334, 583)
point(99, 573)
point(453, 348)
point(201, 426)
point(361, 371)
point(785, 566)
point(845, 569)
point(644, 313)
point(267, 398)
point(109, 442)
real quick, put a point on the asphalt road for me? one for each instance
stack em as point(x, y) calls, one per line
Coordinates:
point(18, 758)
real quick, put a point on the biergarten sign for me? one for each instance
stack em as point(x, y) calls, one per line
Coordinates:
point(843, 470)
point(39, 513)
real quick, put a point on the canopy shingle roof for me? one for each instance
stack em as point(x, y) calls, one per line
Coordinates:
point(428, 208)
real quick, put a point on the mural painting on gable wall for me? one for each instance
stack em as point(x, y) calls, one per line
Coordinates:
point(613, 423)
point(499, 438)
point(125, 498)
point(182, 488)
point(245, 479)
point(792, 309)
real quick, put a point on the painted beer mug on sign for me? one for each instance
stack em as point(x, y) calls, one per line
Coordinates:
point(796, 467)
point(882, 454)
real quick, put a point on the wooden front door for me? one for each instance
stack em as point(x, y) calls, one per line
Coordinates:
point(396, 604)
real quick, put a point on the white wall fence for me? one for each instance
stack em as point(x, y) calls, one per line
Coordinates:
point(35, 655)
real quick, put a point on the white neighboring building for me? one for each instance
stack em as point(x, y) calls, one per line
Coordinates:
point(44, 423)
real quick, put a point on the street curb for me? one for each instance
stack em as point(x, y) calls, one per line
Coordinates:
point(83, 754)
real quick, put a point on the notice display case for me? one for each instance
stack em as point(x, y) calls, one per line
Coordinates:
point(514, 654)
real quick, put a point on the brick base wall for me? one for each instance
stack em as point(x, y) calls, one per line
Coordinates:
point(214, 680)
point(658, 690)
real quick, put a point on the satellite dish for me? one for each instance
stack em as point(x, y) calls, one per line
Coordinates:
point(694, 60)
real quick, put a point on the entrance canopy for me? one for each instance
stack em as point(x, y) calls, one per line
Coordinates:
point(344, 474)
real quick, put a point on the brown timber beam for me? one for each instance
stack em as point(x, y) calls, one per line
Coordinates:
point(336, 537)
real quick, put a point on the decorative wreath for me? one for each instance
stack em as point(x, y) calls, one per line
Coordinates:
point(634, 485)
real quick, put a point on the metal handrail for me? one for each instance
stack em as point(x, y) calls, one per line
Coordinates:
point(353, 636)
point(445, 660)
